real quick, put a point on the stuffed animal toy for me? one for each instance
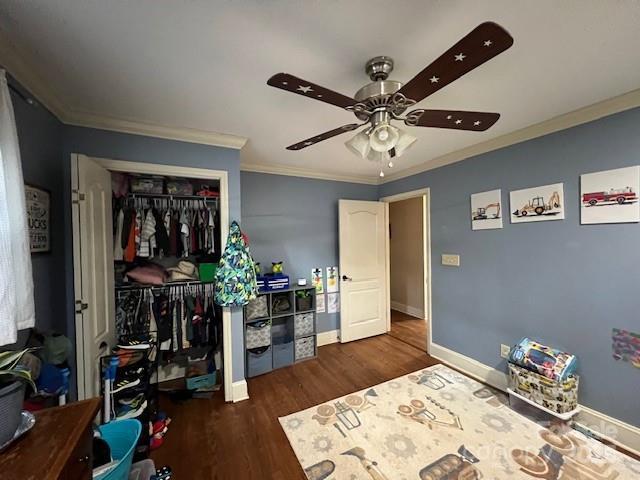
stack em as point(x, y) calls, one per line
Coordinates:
point(276, 267)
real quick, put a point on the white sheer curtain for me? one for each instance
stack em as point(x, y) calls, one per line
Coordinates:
point(16, 280)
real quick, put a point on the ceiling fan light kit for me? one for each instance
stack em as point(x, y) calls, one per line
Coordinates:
point(382, 101)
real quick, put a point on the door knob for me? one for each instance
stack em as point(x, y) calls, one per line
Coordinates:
point(346, 279)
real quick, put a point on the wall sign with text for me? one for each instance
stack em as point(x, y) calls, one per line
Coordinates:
point(38, 218)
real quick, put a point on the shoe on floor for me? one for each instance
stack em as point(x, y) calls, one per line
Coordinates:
point(131, 411)
point(132, 400)
point(128, 356)
point(134, 345)
point(124, 384)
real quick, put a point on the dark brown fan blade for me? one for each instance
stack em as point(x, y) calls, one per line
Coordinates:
point(309, 90)
point(483, 43)
point(455, 119)
point(323, 136)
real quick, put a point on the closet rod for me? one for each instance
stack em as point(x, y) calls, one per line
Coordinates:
point(170, 196)
point(162, 287)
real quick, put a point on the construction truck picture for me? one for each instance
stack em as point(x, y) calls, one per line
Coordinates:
point(482, 213)
point(538, 206)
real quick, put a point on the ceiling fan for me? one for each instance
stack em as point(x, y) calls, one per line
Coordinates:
point(378, 103)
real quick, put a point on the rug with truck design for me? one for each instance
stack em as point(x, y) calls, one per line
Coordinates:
point(437, 424)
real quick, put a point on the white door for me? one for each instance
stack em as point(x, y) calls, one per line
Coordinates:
point(363, 271)
point(93, 270)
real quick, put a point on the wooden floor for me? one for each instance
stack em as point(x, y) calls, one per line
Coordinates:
point(409, 329)
point(209, 439)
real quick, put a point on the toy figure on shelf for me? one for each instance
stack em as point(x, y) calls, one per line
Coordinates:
point(277, 268)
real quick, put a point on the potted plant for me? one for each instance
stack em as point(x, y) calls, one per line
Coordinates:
point(303, 300)
point(13, 381)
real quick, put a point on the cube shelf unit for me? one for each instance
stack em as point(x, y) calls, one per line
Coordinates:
point(282, 337)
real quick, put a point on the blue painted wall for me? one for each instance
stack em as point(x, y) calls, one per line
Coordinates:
point(564, 283)
point(296, 220)
point(40, 138)
point(137, 148)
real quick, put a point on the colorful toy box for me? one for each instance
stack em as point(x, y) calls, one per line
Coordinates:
point(557, 396)
point(549, 362)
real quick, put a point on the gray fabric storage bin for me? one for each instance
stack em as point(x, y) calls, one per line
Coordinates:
point(259, 361)
point(258, 307)
point(304, 324)
point(258, 334)
point(305, 347)
point(282, 353)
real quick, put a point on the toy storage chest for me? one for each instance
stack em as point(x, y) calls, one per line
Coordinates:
point(558, 397)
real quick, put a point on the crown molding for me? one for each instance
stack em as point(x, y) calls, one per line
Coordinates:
point(587, 114)
point(102, 122)
point(12, 58)
point(279, 169)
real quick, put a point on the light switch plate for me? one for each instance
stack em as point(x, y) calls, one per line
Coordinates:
point(504, 350)
point(450, 259)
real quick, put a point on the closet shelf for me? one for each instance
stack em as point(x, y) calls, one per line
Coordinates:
point(169, 196)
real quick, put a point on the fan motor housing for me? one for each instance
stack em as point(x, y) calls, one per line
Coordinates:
point(376, 95)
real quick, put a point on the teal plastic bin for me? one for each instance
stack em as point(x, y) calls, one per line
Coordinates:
point(122, 437)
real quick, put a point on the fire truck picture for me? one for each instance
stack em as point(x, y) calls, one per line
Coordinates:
point(613, 196)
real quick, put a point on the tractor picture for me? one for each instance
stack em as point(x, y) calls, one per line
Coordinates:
point(481, 212)
point(538, 206)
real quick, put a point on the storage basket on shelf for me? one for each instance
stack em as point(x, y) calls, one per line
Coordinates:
point(147, 185)
point(122, 437)
point(258, 334)
point(304, 324)
point(305, 347)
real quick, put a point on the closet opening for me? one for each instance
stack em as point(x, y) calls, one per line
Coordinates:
point(147, 241)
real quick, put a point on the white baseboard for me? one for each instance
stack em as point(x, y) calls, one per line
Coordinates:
point(409, 310)
point(326, 338)
point(608, 428)
point(239, 391)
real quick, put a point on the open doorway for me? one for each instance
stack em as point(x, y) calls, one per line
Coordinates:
point(409, 267)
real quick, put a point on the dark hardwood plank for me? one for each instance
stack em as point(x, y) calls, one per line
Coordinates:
point(215, 440)
point(409, 329)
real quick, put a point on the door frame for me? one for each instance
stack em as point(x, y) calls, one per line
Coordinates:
point(425, 193)
point(174, 171)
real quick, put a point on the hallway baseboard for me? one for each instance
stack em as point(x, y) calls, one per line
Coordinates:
point(409, 310)
point(327, 338)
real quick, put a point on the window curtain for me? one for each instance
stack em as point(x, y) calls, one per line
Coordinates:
point(16, 280)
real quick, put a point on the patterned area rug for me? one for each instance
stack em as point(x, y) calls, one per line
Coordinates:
point(438, 424)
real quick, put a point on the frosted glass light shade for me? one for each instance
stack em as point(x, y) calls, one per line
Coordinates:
point(384, 137)
point(359, 144)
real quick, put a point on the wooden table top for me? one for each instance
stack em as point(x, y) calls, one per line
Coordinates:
point(43, 451)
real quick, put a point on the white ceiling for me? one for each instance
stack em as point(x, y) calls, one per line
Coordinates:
point(204, 64)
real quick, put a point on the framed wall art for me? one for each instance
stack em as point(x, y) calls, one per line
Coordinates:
point(610, 196)
point(537, 204)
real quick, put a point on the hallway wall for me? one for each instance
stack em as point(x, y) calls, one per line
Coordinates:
point(406, 256)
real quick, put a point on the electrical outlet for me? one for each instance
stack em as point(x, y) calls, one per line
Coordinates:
point(450, 260)
point(504, 350)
